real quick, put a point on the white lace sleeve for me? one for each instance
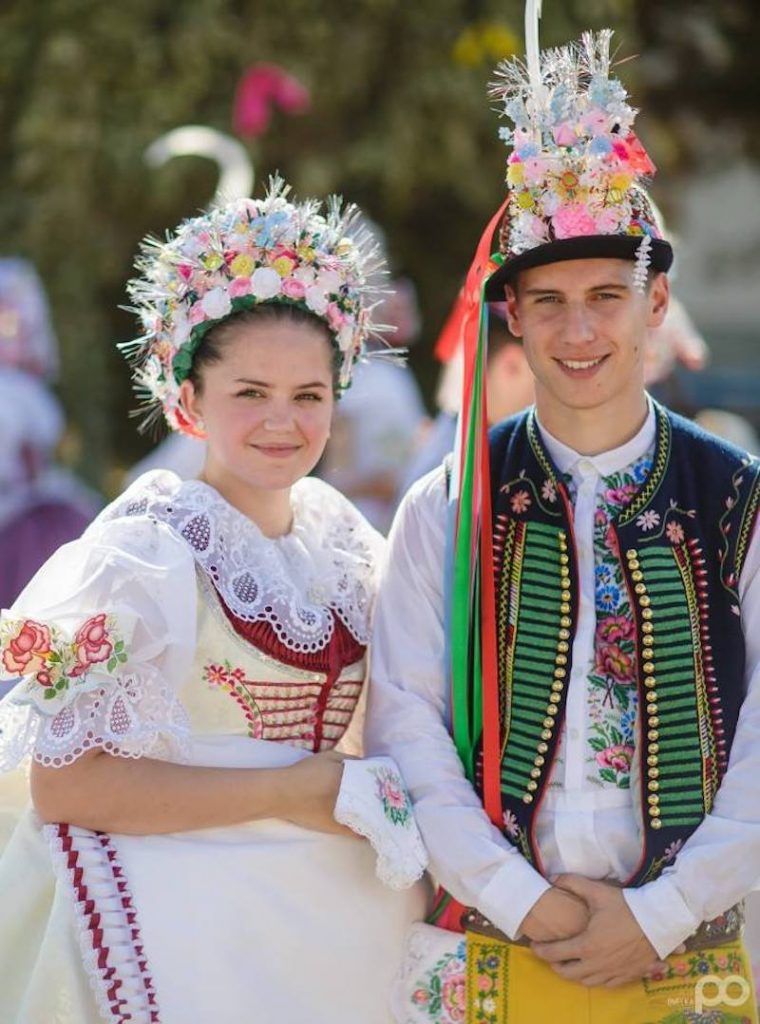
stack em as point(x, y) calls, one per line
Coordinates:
point(100, 642)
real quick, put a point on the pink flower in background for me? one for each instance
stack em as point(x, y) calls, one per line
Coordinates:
point(262, 88)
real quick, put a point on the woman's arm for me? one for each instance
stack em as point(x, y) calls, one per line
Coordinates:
point(145, 796)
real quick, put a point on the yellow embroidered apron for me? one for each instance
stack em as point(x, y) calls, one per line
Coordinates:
point(508, 984)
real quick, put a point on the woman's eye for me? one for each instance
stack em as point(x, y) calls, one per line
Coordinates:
point(309, 396)
point(249, 393)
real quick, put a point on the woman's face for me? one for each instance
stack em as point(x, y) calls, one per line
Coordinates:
point(266, 405)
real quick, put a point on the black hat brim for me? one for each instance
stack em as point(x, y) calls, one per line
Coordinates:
point(587, 247)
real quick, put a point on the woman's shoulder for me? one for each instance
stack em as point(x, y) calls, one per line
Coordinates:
point(325, 518)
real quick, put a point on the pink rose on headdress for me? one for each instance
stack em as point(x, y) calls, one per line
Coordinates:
point(564, 134)
point(185, 271)
point(631, 152)
point(239, 287)
point(294, 289)
point(573, 220)
point(335, 317)
point(196, 314)
point(92, 644)
point(265, 283)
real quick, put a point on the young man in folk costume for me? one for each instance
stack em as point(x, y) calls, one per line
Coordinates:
point(575, 701)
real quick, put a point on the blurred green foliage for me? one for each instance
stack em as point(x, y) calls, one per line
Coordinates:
point(399, 122)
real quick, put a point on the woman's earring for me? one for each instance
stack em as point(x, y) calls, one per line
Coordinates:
point(200, 425)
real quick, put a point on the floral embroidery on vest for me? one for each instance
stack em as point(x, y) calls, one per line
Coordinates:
point(612, 683)
point(232, 680)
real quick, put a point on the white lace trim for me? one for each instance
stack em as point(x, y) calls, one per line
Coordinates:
point(86, 865)
point(134, 716)
point(327, 563)
point(401, 854)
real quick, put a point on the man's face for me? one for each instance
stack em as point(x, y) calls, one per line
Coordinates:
point(584, 326)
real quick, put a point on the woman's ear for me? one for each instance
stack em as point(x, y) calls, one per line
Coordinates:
point(191, 403)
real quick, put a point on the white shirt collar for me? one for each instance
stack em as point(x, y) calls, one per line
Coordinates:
point(569, 461)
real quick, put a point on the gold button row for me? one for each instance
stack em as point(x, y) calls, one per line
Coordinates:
point(559, 675)
point(650, 684)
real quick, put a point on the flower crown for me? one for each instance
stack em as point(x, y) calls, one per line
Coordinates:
point(236, 256)
point(577, 169)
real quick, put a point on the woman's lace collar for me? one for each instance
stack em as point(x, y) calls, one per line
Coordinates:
point(327, 563)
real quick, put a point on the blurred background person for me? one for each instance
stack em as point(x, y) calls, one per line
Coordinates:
point(42, 504)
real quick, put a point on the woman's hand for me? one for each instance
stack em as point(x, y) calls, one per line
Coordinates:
point(310, 791)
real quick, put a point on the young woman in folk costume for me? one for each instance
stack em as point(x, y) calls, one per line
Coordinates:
point(187, 668)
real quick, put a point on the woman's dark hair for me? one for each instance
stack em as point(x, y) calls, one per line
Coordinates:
point(210, 348)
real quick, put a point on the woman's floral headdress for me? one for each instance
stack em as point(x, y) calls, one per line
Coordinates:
point(577, 170)
point(236, 256)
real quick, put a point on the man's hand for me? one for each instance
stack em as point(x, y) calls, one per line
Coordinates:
point(555, 915)
point(612, 950)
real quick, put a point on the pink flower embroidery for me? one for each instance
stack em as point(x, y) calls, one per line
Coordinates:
point(92, 645)
point(216, 675)
point(511, 826)
point(648, 520)
point(613, 661)
point(420, 996)
point(613, 629)
point(674, 532)
point(618, 758)
point(520, 502)
point(453, 997)
point(28, 651)
point(621, 495)
point(549, 491)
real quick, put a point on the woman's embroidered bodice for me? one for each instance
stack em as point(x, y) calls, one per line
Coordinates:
point(245, 681)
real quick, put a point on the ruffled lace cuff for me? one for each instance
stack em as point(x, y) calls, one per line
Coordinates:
point(374, 803)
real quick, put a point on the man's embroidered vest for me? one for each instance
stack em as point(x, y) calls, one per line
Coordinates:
point(681, 544)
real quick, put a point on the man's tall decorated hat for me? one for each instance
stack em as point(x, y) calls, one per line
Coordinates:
point(576, 179)
point(238, 255)
point(576, 172)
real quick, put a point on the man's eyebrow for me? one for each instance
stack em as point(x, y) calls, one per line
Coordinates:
point(266, 384)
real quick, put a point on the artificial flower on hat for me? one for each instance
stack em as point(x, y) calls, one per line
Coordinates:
point(240, 254)
point(576, 172)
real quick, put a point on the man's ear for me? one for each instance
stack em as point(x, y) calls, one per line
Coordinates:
point(513, 319)
point(658, 298)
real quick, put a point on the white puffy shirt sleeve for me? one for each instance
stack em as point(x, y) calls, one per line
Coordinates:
point(100, 642)
point(406, 719)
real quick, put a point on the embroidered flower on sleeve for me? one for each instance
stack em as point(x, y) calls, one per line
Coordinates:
point(51, 664)
point(648, 520)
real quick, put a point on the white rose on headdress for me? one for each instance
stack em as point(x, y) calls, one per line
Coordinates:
point(305, 275)
point(216, 304)
point(182, 327)
point(316, 300)
point(265, 283)
point(329, 281)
